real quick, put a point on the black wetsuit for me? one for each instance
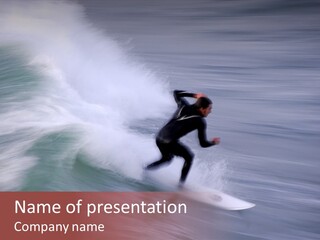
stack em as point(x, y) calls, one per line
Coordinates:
point(186, 119)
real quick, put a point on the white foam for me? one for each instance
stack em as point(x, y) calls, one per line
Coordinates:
point(88, 81)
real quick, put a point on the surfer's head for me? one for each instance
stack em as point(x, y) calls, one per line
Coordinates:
point(204, 106)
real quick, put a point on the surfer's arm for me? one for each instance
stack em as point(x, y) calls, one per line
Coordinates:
point(179, 96)
point(202, 136)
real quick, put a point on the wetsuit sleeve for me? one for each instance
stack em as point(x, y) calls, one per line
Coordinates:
point(203, 136)
point(179, 97)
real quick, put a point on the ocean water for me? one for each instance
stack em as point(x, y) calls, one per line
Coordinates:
point(85, 85)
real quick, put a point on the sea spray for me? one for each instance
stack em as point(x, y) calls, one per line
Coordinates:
point(84, 81)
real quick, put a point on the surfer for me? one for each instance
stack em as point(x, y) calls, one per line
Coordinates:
point(187, 118)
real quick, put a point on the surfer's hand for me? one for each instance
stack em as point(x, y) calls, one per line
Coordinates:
point(216, 140)
point(199, 95)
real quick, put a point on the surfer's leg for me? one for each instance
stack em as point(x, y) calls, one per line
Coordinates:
point(183, 151)
point(156, 164)
point(167, 156)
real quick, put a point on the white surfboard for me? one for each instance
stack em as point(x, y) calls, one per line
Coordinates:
point(215, 198)
point(201, 194)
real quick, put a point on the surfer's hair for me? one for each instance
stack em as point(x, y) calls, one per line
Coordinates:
point(203, 102)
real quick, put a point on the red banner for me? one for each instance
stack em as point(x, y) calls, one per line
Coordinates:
point(94, 215)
